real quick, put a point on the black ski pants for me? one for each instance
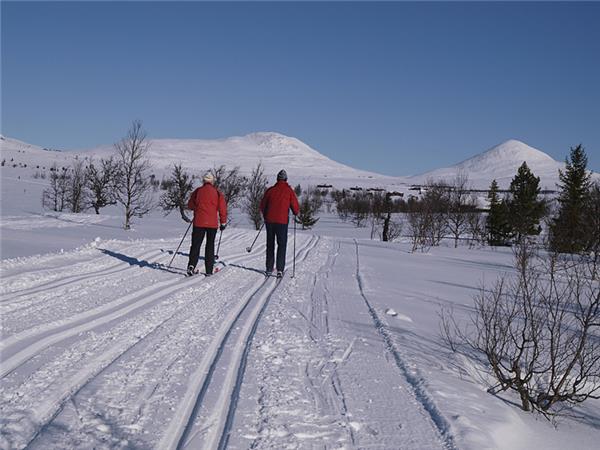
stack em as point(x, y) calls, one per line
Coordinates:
point(279, 231)
point(209, 249)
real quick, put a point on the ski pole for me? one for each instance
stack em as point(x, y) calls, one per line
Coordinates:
point(184, 235)
point(249, 249)
point(294, 266)
point(219, 246)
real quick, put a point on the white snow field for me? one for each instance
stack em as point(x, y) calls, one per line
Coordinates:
point(102, 346)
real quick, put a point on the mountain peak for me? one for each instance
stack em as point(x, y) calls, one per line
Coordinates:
point(501, 163)
point(514, 150)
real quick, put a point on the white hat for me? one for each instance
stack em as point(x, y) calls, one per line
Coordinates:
point(208, 178)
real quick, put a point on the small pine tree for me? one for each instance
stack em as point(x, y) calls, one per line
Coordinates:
point(306, 216)
point(568, 229)
point(524, 208)
point(498, 229)
point(298, 190)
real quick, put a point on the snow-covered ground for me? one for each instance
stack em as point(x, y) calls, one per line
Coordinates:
point(103, 346)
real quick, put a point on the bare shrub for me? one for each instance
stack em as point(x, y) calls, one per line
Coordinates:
point(231, 183)
point(101, 183)
point(460, 207)
point(76, 189)
point(56, 195)
point(255, 190)
point(538, 331)
point(178, 191)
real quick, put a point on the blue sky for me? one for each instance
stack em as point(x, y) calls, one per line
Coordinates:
point(397, 88)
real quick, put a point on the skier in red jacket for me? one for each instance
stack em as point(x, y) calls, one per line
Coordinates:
point(275, 206)
point(206, 202)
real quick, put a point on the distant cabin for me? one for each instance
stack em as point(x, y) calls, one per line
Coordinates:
point(396, 194)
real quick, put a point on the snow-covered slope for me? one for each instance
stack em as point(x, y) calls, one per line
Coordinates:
point(275, 151)
point(19, 152)
point(303, 164)
point(501, 163)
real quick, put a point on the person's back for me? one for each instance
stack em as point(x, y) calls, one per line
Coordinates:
point(275, 206)
point(277, 201)
point(207, 203)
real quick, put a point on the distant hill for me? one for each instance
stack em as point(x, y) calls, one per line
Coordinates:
point(304, 164)
point(275, 151)
point(501, 163)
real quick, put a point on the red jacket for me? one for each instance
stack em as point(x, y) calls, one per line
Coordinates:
point(207, 201)
point(277, 202)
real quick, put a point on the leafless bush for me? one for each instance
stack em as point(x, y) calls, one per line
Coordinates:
point(178, 192)
point(76, 190)
point(56, 195)
point(392, 229)
point(255, 190)
point(460, 207)
point(101, 183)
point(476, 228)
point(231, 183)
point(538, 331)
point(419, 223)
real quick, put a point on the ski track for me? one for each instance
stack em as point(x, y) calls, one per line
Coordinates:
point(247, 340)
point(18, 428)
point(185, 431)
point(102, 375)
point(321, 375)
point(84, 294)
point(36, 280)
point(411, 375)
point(306, 408)
point(75, 286)
point(39, 338)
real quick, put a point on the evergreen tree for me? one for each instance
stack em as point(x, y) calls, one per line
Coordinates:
point(568, 230)
point(498, 229)
point(306, 215)
point(524, 208)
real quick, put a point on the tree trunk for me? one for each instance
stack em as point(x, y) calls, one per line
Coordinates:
point(525, 404)
point(386, 227)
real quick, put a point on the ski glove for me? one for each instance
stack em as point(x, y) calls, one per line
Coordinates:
point(222, 227)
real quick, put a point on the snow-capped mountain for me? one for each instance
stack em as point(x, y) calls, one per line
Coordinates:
point(501, 163)
point(304, 164)
point(273, 150)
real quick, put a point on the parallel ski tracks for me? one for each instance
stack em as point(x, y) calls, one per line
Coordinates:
point(419, 392)
point(41, 339)
point(236, 333)
point(118, 267)
point(29, 343)
point(70, 278)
